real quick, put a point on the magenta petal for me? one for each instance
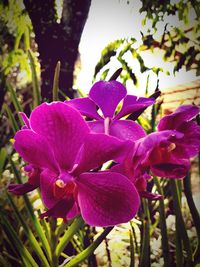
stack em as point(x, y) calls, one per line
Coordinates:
point(25, 120)
point(133, 104)
point(98, 149)
point(60, 210)
point(96, 126)
point(47, 180)
point(107, 96)
point(106, 198)
point(34, 149)
point(126, 130)
point(182, 114)
point(85, 106)
point(189, 146)
point(175, 169)
point(21, 189)
point(73, 212)
point(64, 129)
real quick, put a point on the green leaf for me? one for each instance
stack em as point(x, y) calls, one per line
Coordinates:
point(29, 234)
point(56, 81)
point(89, 250)
point(35, 82)
point(109, 51)
point(23, 252)
point(132, 250)
point(194, 212)
point(181, 224)
point(145, 246)
point(11, 118)
point(73, 228)
point(14, 99)
point(163, 226)
point(33, 218)
point(3, 156)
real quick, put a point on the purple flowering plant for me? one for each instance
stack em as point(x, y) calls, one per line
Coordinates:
point(65, 145)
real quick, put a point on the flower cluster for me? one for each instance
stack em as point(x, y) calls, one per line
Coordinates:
point(65, 152)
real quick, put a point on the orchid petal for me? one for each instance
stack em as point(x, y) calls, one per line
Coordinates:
point(96, 126)
point(147, 143)
point(73, 212)
point(47, 181)
point(98, 149)
point(134, 104)
point(21, 189)
point(126, 130)
point(174, 120)
point(85, 106)
point(60, 210)
point(113, 92)
point(34, 149)
point(189, 145)
point(175, 169)
point(106, 198)
point(25, 120)
point(64, 129)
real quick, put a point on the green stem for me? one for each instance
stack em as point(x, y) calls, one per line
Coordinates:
point(194, 213)
point(53, 242)
point(145, 251)
point(89, 250)
point(134, 237)
point(163, 225)
point(179, 249)
point(180, 221)
point(132, 249)
point(60, 229)
point(73, 228)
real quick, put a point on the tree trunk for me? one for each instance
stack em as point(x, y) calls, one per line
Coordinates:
point(57, 41)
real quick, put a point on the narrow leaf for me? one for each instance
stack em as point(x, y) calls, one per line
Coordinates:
point(35, 82)
point(73, 228)
point(56, 81)
point(89, 250)
point(29, 234)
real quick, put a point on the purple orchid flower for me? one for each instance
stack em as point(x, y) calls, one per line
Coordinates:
point(58, 142)
point(106, 96)
point(165, 153)
point(168, 151)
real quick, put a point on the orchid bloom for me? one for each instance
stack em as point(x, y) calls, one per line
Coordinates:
point(165, 153)
point(168, 151)
point(57, 141)
point(106, 96)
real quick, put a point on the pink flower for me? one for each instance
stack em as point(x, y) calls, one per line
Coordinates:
point(106, 96)
point(57, 142)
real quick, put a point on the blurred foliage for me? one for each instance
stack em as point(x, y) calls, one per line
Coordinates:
point(181, 42)
point(178, 44)
point(15, 28)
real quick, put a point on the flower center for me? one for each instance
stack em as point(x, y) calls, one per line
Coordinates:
point(64, 186)
point(171, 147)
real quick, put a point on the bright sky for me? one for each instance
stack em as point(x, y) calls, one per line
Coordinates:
point(110, 20)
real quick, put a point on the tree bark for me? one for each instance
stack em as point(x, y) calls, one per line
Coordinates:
point(57, 41)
